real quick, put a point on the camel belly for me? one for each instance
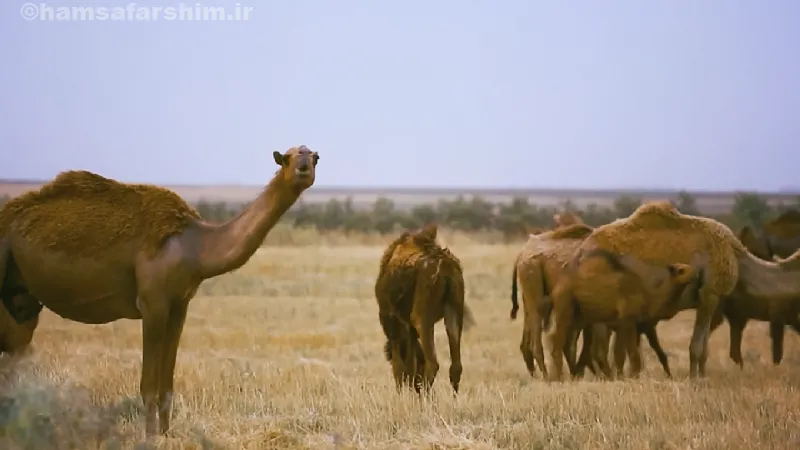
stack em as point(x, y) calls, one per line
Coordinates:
point(81, 289)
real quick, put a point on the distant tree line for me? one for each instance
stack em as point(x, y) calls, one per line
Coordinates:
point(471, 214)
point(513, 219)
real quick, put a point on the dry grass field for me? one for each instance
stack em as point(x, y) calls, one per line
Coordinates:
point(286, 353)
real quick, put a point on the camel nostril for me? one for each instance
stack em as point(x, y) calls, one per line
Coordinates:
point(303, 169)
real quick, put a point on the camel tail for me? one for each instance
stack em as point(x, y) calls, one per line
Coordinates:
point(514, 303)
point(454, 305)
point(469, 319)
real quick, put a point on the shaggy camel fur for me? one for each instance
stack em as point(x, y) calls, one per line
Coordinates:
point(656, 233)
point(538, 266)
point(419, 283)
point(95, 250)
point(601, 286)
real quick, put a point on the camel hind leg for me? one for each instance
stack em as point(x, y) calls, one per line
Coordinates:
point(536, 307)
point(453, 323)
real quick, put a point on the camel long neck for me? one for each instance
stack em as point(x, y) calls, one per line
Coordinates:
point(765, 279)
point(229, 246)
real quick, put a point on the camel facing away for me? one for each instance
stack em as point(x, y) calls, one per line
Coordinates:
point(419, 283)
point(94, 250)
point(657, 233)
point(617, 289)
point(538, 267)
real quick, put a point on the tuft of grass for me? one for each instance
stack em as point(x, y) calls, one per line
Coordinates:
point(286, 353)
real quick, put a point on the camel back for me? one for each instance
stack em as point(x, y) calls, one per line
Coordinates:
point(400, 264)
point(658, 234)
point(85, 214)
point(574, 231)
point(785, 225)
point(558, 245)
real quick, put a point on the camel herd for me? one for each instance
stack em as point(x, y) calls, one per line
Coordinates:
point(95, 250)
point(619, 279)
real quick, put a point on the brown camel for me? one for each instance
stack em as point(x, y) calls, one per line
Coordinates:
point(779, 311)
point(419, 283)
point(566, 218)
point(779, 238)
point(657, 233)
point(95, 250)
point(538, 267)
point(601, 286)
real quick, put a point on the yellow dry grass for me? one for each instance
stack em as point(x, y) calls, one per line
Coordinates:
point(287, 353)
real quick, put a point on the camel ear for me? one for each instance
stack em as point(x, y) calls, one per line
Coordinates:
point(557, 219)
point(278, 157)
point(316, 158)
point(681, 273)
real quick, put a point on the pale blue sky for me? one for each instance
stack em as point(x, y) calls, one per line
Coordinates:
point(517, 93)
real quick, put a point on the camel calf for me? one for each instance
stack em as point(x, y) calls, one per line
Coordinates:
point(419, 283)
point(601, 286)
point(538, 267)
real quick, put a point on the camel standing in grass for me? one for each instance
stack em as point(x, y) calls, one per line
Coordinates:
point(656, 233)
point(779, 239)
point(538, 267)
point(95, 250)
point(601, 286)
point(419, 283)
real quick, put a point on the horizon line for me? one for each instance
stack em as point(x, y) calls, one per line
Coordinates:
point(459, 189)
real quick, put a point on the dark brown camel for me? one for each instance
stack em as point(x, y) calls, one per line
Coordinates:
point(94, 250)
point(779, 237)
point(419, 283)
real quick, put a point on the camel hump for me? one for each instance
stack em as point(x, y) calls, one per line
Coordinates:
point(661, 208)
point(96, 214)
point(575, 231)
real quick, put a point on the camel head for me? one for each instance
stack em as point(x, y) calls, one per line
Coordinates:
point(567, 218)
point(687, 281)
point(757, 245)
point(681, 273)
point(298, 166)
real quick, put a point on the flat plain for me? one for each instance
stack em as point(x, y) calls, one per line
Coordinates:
point(286, 353)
